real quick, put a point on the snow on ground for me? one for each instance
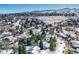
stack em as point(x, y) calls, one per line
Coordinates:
point(17, 23)
point(6, 33)
point(44, 52)
point(8, 51)
point(36, 50)
point(46, 44)
point(29, 48)
point(51, 19)
point(60, 46)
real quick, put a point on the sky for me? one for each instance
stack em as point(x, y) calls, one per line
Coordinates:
point(14, 8)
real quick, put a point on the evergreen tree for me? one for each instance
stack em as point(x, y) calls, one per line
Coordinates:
point(28, 41)
point(52, 43)
point(6, 43)
point(22, 49)
point(41, 44)
point(21, 30)
point(37, 37)
point(31, 32)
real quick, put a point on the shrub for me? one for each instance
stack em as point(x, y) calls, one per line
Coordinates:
point(52, 43)
point(22, 49)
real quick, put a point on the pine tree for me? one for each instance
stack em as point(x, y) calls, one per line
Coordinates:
point(6, 43)
point(22, 49)
point(28, 42)
point(52, 43)
point(21, 30)
point(31, 32)
point(41, 44)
